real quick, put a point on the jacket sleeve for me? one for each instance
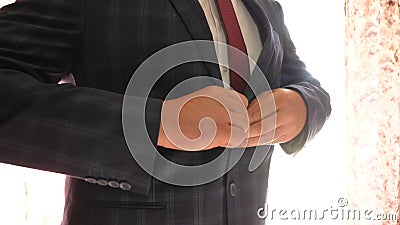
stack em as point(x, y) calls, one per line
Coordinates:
point(296, 77)
point(66, 129)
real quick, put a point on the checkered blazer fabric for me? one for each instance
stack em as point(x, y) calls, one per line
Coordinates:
point(77, 130)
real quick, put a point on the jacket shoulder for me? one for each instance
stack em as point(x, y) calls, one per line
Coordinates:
point(274, 12)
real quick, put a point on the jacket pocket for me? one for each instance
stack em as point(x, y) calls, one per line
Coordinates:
point(128, 204)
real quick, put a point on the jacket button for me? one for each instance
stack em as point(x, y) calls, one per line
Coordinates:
point(90, 180)
point(233, 189)
point(125, 186)
point(113, 184)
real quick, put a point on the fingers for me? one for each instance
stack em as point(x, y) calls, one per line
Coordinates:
point(263, 126)
point(230, 99)
point(233, 103)
point(243, 98)
point(273, 137)
point(261, 107)
point(240, 121)
point(237, 137)
point(273, 117)
point(236, 100)
point(237, 96)
point(265, 139)
point(281, 139)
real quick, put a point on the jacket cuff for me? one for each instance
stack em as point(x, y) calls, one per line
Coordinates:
point(296, 144)
point(124, 172)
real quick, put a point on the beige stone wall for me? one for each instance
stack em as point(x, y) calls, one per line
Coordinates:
point(373, 104)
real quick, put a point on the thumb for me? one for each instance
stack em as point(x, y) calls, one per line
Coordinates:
point(244, 99)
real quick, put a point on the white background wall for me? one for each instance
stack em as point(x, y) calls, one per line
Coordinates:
point(314, 178)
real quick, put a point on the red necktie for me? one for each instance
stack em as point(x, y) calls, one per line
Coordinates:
point(235, 39)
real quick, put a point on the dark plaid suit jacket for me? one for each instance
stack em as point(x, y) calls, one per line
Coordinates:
point(76, 130)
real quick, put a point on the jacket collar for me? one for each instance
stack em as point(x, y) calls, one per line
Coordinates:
point(196, 22)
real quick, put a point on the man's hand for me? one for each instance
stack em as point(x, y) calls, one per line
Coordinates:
point(277, 123)
point(208, 118)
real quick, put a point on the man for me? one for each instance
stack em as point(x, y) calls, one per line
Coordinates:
point(77, 130)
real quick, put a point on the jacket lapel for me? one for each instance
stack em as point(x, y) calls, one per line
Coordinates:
point(271, 52)
point(193, 16)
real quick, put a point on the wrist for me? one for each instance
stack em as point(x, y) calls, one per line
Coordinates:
point(161, 141)
point(161, 136)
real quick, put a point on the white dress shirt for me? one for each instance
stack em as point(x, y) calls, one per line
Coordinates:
point(249, 29)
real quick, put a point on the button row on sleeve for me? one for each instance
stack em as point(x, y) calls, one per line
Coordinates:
point(111, 183)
